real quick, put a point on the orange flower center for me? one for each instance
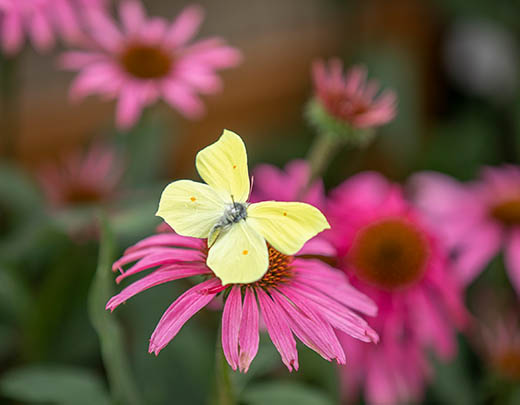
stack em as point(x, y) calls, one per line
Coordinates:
point(508, 211)
point(279, 270)
point(389, 254)
point(146, 62)
point(508, 363)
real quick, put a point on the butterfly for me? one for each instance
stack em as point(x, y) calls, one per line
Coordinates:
point(237, 231)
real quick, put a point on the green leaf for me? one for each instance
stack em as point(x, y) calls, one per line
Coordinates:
point(452, 384)
point(122, 385)
point(55, 384)
point(283, 393)
point(15, 299)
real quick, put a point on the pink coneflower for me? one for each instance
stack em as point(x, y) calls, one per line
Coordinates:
point(41, 21)
point(286, 185)
point(349, 98)
point(476, 219)
point(148, 59)
point(82, 177)
point(389, 254)
point(298, 296)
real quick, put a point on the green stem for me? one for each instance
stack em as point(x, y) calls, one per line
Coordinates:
point(322, 151)
point(224, 385)
point(9, 104)
point(120, 377)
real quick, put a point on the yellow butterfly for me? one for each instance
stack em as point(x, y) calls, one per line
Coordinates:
point(236, 230)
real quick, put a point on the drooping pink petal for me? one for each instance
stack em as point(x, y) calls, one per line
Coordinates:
point(12, 33)
point(231, 325)
point(183, 99)
point(187, 305)
point(161, 257)
point(103, 30)
point(73, 60)
point(313, 331)
point(379, 388)
point(212, 53)
point(98, 77)
point(365, 190)
point(153, 31)
point(278, 328)
point(317, 246)
point(129, 107)
point(167, 239)
point(168, 273)
point(341, 290)
point(477, 249)
point(248, 337)
point(132, 16)
point(339, 316)
point(203, 80)
point(185, 26)
point(434, 329)
point(41, 32)
point(512, 257)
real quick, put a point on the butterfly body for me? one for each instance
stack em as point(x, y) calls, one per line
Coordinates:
point(237, 232)
point(234, 213)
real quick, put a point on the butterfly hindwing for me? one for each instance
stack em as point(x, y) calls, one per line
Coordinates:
point(239, 255)
point(286, 225)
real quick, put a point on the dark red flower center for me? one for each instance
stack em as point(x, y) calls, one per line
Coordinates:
point(389, 254)
point(146, 61)
point(77, 194)
point(279, 270)
point(508, 211)
point(508, 363)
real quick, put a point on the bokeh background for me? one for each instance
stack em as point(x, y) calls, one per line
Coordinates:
point(454, 65)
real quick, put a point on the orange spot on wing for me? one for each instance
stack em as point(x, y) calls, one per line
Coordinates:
point(234, 166)
point(245, 252)
point(193, 199)
point(285, 214)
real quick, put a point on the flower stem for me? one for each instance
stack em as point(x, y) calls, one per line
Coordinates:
point(224, 385)
point(322, 151)
point(9, 93)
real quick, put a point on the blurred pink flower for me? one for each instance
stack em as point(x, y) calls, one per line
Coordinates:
point(389, 254)
point(41, 21)
point(475, 219)
point(148, 59)
point(298, 295)
point(501, 344)
point(349, 98)
point(82, 177)
point(271, 183)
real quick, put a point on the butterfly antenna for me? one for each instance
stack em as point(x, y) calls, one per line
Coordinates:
point(252, 183)
point(233, 199)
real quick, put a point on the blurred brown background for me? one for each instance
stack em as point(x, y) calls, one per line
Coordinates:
point(264, 96)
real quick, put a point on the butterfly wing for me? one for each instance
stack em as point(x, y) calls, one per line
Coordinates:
point(190, 208)
point(286, 225)
point(239, 255)
point(223, 165)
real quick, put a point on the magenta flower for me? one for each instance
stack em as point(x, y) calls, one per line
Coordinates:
point(298, 296)
point(390, 255)
point(349, 98)
point(42, 21)
point(148, 59)
point(476, 219)
point(82, 177)
point(284, 185)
